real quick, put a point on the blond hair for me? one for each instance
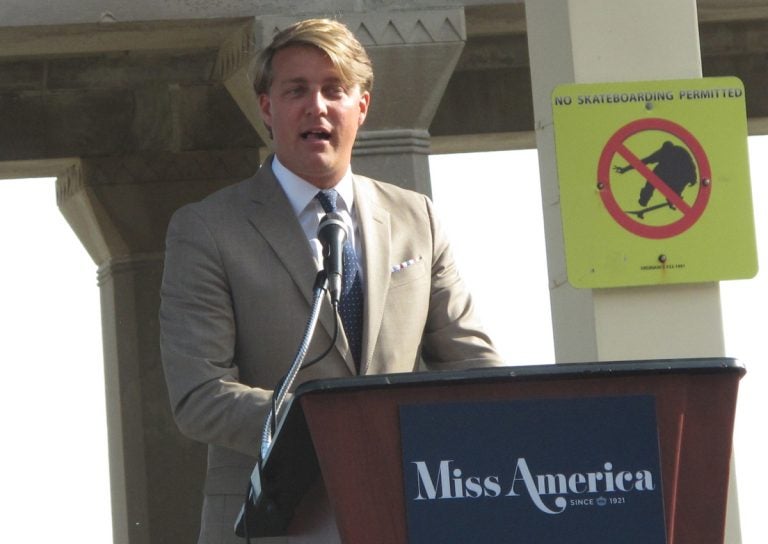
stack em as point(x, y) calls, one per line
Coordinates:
point(346, 53)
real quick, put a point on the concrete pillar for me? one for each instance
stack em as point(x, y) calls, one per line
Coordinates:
point(399, 156)
point(414, 53)
point(119, 208)
point(589, 41)
point(147, 456)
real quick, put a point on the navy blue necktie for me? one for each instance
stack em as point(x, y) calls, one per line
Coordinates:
point(351, 298)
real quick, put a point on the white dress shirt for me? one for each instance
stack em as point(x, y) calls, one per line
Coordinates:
point(309, 211)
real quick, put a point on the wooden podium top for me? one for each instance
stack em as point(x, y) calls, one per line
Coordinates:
point(523, 372)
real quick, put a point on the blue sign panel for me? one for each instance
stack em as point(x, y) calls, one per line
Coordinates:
point(554, 471)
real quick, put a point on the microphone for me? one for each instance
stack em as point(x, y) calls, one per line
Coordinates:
point(332, 232)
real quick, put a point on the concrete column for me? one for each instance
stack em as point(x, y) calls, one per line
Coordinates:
point(153, 494)
point(119, 208)
point(589, 41)
point(414, 53)
point(396, 156)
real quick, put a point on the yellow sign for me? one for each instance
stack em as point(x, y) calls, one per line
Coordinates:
point(654, 182)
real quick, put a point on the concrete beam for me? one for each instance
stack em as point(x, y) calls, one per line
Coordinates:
point(61, 12)
point(182, 84)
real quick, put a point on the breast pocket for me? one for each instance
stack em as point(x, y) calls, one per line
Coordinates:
point(407, 273)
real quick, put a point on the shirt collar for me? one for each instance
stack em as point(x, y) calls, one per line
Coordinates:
point(301, 193)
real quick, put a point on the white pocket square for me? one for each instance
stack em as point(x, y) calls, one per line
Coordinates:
point(405, 264)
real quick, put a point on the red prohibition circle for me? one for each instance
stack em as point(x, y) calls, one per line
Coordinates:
point(616, 145)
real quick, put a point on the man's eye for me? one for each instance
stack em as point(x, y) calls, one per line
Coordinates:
point(335, 91)
point(295, 91)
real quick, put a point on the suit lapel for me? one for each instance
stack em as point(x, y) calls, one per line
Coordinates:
point(375, 229)
point(272, 215)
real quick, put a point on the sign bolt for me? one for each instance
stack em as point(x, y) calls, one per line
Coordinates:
point(662, 258)
point(600, 185)
point(705, 182)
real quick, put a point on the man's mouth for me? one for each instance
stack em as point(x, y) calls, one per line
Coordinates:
point(316, 135)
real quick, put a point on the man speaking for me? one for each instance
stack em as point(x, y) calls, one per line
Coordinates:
point(240, 266)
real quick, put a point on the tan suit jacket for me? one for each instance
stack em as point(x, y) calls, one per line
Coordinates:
point(236, 295)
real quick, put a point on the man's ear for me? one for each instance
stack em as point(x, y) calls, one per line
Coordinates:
point(265, 109)
point(364, 103)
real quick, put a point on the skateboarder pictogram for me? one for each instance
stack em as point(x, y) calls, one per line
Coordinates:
point(677, 166)
point(674, 167)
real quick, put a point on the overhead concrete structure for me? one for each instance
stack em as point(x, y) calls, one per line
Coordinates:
point(139, 107)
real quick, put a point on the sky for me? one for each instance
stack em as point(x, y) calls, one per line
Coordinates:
point(54, 465)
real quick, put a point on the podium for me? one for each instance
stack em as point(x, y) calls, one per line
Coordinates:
point(544, 453)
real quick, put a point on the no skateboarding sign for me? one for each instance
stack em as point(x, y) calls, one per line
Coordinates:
point(654, 182)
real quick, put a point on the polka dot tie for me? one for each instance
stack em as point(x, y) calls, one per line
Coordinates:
point(351, 298)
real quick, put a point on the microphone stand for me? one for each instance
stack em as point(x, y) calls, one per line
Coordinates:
point(278, 397)
point(321, 285)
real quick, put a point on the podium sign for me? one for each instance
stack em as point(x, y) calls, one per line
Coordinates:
point(572, 471)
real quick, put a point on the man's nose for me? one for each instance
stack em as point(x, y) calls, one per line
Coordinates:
point(317, 104)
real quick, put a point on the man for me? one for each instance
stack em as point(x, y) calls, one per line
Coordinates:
point(240, 267)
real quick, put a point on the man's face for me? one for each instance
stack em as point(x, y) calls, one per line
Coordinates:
point(314, 117)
